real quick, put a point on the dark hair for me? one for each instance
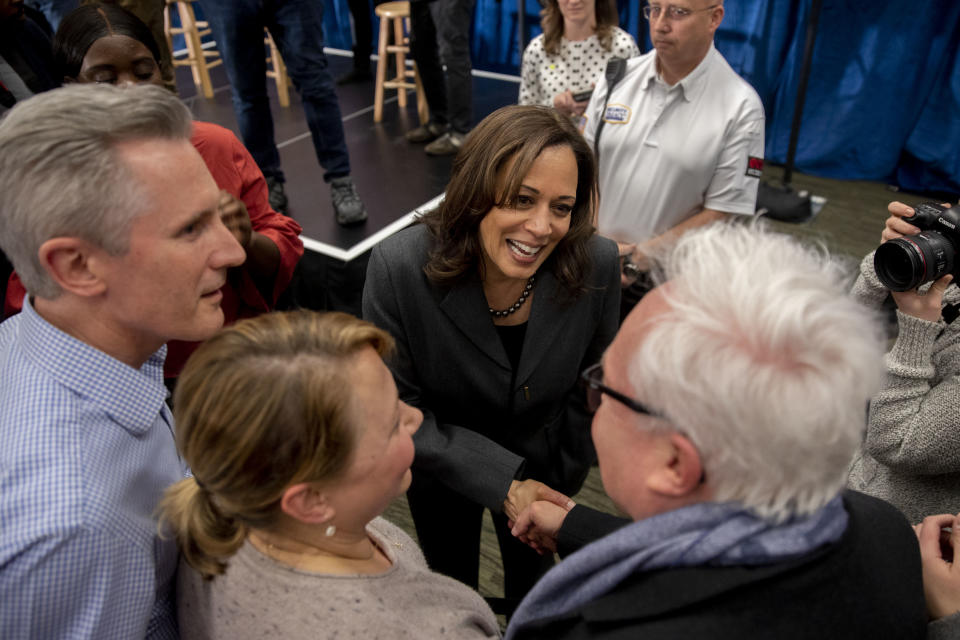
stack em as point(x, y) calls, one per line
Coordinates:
point(477, 184)
point(551, 21)
point(83, 26)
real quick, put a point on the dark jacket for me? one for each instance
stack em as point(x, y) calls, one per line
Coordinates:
point(483, 423)
point(868, 585)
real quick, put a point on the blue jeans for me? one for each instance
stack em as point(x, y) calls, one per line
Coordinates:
point(296, 27)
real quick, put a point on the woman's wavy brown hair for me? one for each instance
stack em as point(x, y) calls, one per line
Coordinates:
point(480, 181)
point(260, 406)
point(551, 21)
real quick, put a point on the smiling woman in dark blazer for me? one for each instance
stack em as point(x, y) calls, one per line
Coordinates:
point(497, 300)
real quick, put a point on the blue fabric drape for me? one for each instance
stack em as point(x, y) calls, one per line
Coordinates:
point(884, 94)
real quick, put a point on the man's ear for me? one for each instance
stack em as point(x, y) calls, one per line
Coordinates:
point(716, 17)
point(306, 503)
point(679, 471)
point(68, 263)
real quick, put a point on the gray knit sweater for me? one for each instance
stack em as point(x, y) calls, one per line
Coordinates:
point(945, 628)
point(259, 598)
point(911, 453)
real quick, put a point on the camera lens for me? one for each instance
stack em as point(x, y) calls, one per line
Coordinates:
point(906, 263)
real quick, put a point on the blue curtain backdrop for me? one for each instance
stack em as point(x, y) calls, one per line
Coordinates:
point(883, 101)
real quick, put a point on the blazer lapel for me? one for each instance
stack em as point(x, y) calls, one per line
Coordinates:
point(466, 307)
point(547, 316)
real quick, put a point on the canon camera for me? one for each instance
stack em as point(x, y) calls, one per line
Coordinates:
point(905, 263)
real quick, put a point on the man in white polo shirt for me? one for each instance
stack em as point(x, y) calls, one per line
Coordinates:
point(682, 141)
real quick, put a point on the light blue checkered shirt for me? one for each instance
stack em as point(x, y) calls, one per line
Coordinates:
point(86, 450)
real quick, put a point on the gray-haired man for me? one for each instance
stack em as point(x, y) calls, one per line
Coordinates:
point(109, 216)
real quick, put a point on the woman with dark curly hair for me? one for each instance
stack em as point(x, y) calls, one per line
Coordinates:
point(497, 300)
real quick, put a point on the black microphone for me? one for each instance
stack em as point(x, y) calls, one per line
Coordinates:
point(616, 69)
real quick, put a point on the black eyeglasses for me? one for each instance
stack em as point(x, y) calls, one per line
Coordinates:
point(591, 378)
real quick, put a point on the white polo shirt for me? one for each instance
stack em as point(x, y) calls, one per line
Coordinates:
point(667, 152)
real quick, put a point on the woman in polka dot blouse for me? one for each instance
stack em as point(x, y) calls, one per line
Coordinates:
point(579, 36)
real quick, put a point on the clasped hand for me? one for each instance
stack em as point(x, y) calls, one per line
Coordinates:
point(535, 513)
point(941, 571)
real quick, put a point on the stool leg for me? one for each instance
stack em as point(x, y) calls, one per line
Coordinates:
point(401, 62)
point(382, 62)
point(283, 80)
point(201, 76)
point(278, 71)
point(167, 25)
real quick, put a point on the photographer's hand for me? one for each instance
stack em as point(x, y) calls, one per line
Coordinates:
point(895, 227)
point(928, 306)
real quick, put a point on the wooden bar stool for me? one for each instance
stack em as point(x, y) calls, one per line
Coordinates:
point(395, 17)
point(277, 70)
point(197, 57)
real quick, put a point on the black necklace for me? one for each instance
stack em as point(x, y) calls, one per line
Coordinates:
point(527, 290)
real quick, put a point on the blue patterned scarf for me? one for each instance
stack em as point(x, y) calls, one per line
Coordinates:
point(710, 533)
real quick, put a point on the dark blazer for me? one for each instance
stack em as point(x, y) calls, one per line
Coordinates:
point(868, 585)
point(479, 430)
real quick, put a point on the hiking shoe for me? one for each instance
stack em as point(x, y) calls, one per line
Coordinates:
point(347, 205)
point(446, 145)
point(425, 132)
point(276, 195)
point(355, 76)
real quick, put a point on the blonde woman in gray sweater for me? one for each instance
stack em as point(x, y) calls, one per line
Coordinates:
point(911, 452)
point(298, 441)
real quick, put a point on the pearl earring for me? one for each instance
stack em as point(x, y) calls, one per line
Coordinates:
point(330, 531)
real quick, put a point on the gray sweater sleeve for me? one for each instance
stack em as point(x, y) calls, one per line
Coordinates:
point(913, 419)
point(945, 628)
point(868, 289)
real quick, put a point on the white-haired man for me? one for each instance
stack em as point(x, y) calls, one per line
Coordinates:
point(109, 216)
point(680, 139)
point(729, 407)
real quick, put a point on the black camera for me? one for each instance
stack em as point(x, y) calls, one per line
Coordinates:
point(905, 263)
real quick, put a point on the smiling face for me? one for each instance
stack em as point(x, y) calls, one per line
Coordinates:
point(516, 240)
point(119, 60)
point(167, 285)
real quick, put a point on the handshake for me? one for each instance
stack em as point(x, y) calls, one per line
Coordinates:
point(535, 513)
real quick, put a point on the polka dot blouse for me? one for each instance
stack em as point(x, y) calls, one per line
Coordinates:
point(577, 67)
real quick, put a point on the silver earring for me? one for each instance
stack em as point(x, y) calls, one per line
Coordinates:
point(330, 531)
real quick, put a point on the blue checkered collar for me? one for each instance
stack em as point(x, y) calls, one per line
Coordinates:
point(132, 397)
